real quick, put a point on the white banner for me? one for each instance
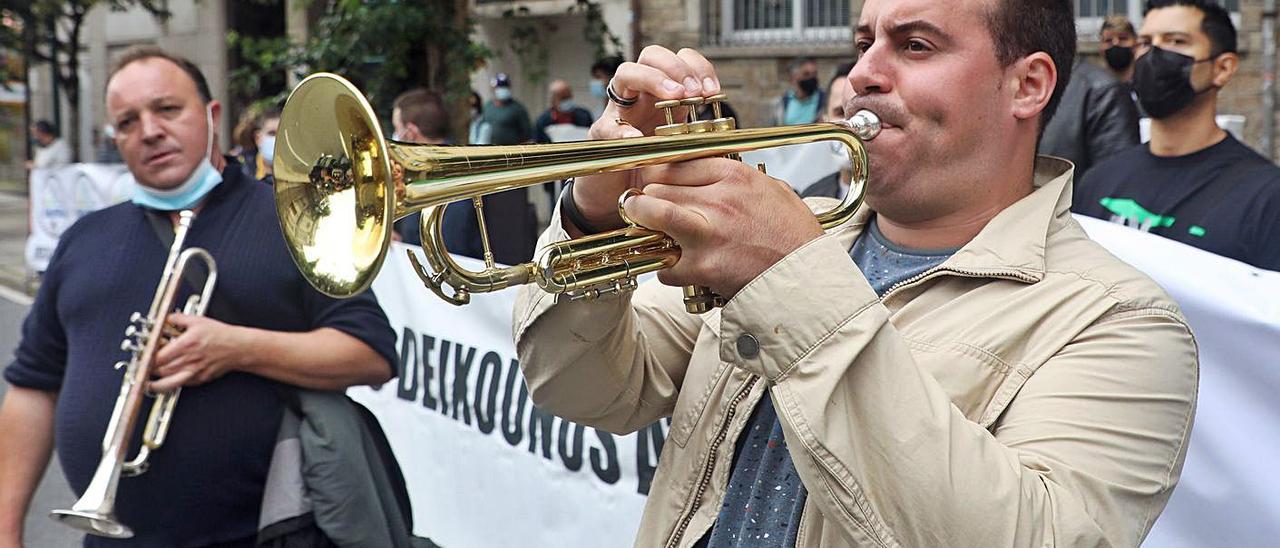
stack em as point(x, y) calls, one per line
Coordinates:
point(1229, 494)
point(60, 196)
point(483, 471)
point(485, 468)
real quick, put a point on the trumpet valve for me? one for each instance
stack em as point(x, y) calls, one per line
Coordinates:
point(672, 127)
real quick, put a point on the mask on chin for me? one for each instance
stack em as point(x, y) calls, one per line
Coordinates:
point(186, 195)
point(1162, 80)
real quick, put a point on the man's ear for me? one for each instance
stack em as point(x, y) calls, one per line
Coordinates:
point(1224, 68)
point(1034, 78)
point(215, 112)
point(414, 133)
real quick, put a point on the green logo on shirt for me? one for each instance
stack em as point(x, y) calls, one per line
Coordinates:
point(1129, 212)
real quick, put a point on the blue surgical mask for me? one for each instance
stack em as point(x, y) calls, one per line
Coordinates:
point(186, 195)
point(502, 94)
point(565, 106)
point(597, 89)
point(268, 149)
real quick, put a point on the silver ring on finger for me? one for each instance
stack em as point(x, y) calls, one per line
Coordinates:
point(618, 99)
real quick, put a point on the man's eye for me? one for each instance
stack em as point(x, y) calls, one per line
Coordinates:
point(917, 46)
point(863, 45)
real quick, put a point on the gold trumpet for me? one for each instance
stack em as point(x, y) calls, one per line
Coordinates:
point(340, 185)
point(94, 513)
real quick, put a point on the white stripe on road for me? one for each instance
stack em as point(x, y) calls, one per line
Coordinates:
point(15, 296)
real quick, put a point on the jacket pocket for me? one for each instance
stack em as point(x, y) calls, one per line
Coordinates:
point(973, 377)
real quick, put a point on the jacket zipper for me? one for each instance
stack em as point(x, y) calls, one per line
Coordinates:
point(710, 466)
point(928, 274)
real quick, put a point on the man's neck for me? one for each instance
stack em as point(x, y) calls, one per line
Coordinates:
point(955, 229)
point(799, 93)
point(1192, 130)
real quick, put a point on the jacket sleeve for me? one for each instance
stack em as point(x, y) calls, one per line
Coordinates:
point(1112, 122)
point(1086, 454)
point(615, 363)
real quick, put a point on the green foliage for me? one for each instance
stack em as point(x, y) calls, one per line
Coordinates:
point(383, 46)
point(50, 32)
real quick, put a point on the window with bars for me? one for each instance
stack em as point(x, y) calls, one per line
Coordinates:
point(767, 22)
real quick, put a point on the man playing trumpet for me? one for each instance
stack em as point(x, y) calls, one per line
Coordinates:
point(266, 328)
point(957, 366)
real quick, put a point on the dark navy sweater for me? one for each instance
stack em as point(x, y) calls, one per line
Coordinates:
point(205, 485)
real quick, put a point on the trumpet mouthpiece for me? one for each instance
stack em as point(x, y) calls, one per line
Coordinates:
point(865, 124)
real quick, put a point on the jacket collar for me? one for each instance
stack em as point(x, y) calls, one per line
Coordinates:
point(1013, 244)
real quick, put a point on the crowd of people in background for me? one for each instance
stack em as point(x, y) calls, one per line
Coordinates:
point(1191, 180)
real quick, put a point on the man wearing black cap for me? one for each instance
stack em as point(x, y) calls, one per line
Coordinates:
point(507, 117)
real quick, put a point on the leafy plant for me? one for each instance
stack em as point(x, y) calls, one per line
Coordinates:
point(383, 46)
point(50, 32)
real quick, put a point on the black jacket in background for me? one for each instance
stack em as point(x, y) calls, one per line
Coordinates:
point(1096, 119)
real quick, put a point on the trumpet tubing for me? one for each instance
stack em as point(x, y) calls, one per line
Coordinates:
point(340, 184)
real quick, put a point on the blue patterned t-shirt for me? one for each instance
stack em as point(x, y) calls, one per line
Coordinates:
point(765, 497)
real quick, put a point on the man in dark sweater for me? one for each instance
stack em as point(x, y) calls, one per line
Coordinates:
point(266, 329)
point(1193, 182)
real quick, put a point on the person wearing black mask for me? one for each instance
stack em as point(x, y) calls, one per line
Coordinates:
point(1118, 39)
point(1193, 182)
point(802, 103)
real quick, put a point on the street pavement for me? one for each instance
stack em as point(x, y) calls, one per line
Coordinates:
point(53, 492)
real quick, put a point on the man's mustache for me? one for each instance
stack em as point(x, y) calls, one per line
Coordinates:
point(888, 112)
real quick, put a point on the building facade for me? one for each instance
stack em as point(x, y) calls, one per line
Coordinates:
point(752, 42)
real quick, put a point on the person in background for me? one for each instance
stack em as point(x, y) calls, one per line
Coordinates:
point(802, 103)
point(419, 116)
point(1096, 120)
point(562, 111)
point(507, 118)
point(477, 129)
point(839, 91)
point(602, 72)
point(267, 330)
point(1193, 182)
point(264, 140)
point(1116, 44)
point(51, 151)
point(244, 148)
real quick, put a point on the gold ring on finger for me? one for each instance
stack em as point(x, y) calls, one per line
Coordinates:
point(622, 202)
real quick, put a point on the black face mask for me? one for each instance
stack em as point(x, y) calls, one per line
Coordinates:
point(809, 85)
point(1119, 57)
point(1162, 80)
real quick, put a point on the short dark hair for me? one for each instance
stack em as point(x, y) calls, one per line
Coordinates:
point(144, 52)
point(1022, 27)
point(1217, 23)
point(46, 127)
point(608, 65)
point(425, 109)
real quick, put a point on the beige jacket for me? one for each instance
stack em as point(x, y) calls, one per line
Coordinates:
point(1031, 391)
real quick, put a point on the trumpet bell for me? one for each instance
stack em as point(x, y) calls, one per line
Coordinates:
point(331, 165)
point(103, 525)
